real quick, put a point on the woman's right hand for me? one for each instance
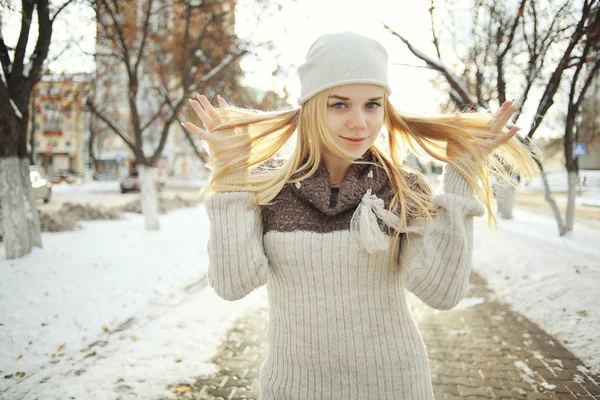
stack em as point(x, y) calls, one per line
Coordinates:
point(205, 112)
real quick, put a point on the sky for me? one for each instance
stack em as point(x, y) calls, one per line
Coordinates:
point(292, 29)
point(300, 23)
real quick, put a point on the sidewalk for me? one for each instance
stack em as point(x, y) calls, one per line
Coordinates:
point(477, 351)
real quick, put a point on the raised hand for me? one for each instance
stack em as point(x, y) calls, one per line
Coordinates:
point(206, 113)
point(497, 123)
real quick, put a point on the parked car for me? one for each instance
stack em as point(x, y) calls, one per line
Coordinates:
point(42, 187)
point(131, 183)
point(67, 175)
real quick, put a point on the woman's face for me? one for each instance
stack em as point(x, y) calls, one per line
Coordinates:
point(354, 117)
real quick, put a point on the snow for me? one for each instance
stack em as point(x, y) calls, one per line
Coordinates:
point(56, 302)
point(86, 187)
point(558, 181)
point(15, 108)
point(551, 280)
point(588, 193)
point(117, 311)
point(27, 67)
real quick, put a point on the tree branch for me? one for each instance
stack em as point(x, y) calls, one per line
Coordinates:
point(26, 18)
point(144, 36)
point(60, 10)
point(112, 125)
point(552, 87)
point(455, 82)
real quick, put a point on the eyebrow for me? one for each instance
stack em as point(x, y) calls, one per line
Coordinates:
point(347, 98)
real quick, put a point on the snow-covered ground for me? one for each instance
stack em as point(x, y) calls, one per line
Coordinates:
point(113, 185)
point(589, 193)
point(111, 310)
point(551, 280)
point(115, 311)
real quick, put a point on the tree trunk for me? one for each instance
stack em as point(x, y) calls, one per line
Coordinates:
point(573, 179)
point(17, 214)
point(505, 199)
point(149, 198)
point(562, 229)
point(35, 232)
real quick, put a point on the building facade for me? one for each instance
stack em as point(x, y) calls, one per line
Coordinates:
point(59, 124)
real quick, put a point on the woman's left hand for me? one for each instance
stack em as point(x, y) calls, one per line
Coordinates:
point(498, 122)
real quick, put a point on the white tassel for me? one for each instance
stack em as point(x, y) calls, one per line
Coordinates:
point(364, 227)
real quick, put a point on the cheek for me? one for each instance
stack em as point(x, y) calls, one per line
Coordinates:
point(375, 124)
point(334, 123)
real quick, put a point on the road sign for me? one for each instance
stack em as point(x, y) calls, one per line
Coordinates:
point(579, 150)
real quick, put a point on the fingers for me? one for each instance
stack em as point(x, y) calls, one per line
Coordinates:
point(502, 117)
point(201, 112)
point(222, 102)
point(503, 108)
point(505, 137)
point(195, 130)
point(203, 109)
point(205, 104)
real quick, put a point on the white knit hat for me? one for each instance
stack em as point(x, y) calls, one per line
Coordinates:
point(342, 58)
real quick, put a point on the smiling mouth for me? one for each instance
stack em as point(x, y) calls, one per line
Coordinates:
point(354, 141)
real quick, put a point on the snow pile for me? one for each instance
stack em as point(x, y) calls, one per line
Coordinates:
point(86, 187)
point(86, 212)
point(165, 204)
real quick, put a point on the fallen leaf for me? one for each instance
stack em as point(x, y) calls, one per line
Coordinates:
point(20, 356)
point(20, 374)
point(62, 346)
point(7, 376)
point(135, 338)
point(105, 329)
point(1, 324)
point(182, 389)
point(582, 313)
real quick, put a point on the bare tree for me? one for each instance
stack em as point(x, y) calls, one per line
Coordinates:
point(165, 54)
point(585, 69)
point(20, 73)
point(503, 34)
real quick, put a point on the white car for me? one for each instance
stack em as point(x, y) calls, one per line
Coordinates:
point(42, 187)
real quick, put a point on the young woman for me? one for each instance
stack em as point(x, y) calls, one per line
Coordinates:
point(341, 228)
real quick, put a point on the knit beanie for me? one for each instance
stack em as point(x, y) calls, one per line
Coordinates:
point(342, 58)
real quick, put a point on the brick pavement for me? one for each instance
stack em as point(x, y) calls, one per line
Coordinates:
point(480, 352)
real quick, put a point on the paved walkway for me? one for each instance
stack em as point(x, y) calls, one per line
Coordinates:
point(484, 351)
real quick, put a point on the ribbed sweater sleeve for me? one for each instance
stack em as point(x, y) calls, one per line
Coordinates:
point(437, 262)
point(237, 261)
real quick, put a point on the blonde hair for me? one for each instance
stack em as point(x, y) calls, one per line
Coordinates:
point(259, 136)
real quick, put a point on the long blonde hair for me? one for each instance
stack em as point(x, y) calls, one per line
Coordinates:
point(259, 136)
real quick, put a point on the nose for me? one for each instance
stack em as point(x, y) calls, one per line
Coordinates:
point(357, 120)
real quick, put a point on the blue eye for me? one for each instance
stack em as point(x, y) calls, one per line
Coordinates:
point(339, 106)
point(373, 105)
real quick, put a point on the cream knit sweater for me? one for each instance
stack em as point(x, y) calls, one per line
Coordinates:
point(339, 324)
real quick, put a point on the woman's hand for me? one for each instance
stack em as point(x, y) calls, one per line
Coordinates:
point(205, 112)
point(499, 120)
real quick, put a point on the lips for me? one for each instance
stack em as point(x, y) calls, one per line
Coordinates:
point(354, 141)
